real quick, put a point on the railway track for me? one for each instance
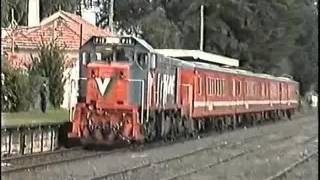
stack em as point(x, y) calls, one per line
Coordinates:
point(57, 157)
point(294, 165)
point(180, 158)
point(238, 155)
point(36, 157)
point(36, 161)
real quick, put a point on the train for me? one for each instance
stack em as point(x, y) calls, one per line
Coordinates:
point(136, 95)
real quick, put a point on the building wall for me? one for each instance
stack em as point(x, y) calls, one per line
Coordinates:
point(71, 85)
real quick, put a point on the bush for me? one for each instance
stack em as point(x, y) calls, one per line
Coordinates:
point(16, 90)
point(20, 91)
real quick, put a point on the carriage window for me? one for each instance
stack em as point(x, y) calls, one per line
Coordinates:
point(203, 88)
point(237, 88)
point(216, 86)
point(246, 89)
point(213, 86)
point(209, 86)
point(199, 85)
point(93, 56)
point(219, 87)
point(256, 89)
point(85, 58)
point(266, 90)
point(98, 56)
point(106, 56)
point(222, 87)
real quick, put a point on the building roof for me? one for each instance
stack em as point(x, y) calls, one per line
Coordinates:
point(199, 55)
point(63, 26)
point(23, 62)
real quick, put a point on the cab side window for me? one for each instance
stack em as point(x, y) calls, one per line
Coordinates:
point(142, 59)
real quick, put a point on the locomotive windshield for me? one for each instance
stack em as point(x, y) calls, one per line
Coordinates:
point(109, 49)
point(116, 54)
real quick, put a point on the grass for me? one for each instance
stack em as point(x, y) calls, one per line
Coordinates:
point(35, 117)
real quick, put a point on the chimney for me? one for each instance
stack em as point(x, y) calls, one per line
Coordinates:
point(34, 13)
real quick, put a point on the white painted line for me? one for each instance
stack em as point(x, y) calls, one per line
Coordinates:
point(211, 104)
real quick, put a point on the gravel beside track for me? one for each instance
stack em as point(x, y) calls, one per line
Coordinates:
point(264, 163)
point(184, 165)
point(283, 173)
point(226, 148)
point(192, 162)
point(44, 160)
point(24, 160)
point(307, 169)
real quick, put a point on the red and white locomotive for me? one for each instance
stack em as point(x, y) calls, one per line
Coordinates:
point(128, 92)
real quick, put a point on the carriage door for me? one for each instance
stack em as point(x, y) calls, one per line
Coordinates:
point(280, 93)
point(237, 93)
point(186, 93)
point(287, 92)
point(186, 98)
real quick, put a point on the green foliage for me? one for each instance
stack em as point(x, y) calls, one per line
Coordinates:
point(20, 91)
point(48, 7)
point(20, 7)
point(277, 37)
point(16, 91)
point(51, 65)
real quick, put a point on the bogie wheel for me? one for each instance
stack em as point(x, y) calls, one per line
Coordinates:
point(150, 130)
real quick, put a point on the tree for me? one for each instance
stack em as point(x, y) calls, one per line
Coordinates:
point(20, 10)
point(267, 36)
point(50, 64)
point(48, 7)
point(20, 7)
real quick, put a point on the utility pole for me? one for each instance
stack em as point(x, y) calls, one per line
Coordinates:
point(201, 27)
point(111, 16)
point(13, 28)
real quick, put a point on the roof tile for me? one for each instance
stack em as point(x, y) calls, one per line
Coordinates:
point(62, 25)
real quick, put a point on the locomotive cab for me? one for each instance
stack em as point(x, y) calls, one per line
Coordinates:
point(111, 91)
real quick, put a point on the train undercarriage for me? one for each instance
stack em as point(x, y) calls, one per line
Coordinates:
point(109, 127)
